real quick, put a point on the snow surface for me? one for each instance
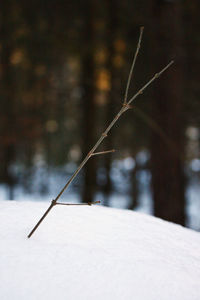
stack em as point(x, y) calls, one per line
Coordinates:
point(95, 253)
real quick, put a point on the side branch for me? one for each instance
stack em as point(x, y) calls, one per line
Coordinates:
point(103, 152)
point(78, 204)
point(133, 64)
point(150, 81)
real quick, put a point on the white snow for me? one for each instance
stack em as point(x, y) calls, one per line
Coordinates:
point(95, 253)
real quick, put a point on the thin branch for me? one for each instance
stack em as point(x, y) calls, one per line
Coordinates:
point(53, 203)
point(124, 108)
point(157, 75)
point(133, 65)
point(78, 204)
point(103, 152)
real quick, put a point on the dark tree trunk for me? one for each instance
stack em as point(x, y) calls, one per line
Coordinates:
point(111, 34)
point(7, 114)
point(167, 163)
point(89, 111)
point(134, 187)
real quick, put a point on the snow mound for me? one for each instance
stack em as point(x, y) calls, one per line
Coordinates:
point(95, 253)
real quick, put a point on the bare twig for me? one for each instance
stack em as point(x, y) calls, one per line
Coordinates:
point(157, 75)
point(53, 203)
point(133, 65)
point(124, 108)
point(89, 203)
point(103, 152)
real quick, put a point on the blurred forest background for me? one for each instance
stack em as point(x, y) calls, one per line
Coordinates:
point(63, 73)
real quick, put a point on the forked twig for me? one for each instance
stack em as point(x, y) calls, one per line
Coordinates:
point(125, 107)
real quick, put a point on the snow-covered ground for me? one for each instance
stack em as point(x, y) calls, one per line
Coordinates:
point(95, 253)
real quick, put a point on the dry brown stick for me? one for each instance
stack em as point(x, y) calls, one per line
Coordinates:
point(53, 203)
point(71, 204)
point(125, 107)
point(102, 137)
point(133, 65)
point(103, 152)
point(150, 81)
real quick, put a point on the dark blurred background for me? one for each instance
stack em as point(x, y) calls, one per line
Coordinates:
point(63, 73)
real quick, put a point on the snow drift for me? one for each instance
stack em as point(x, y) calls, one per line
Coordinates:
point(96, 253)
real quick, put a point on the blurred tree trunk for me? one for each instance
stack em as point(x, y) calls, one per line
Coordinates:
point(8, 134)
point(134, 187)
point(89, 110)
point(167, 165)
point(111, 35)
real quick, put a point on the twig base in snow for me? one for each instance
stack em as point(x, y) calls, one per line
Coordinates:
point(53, 203)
